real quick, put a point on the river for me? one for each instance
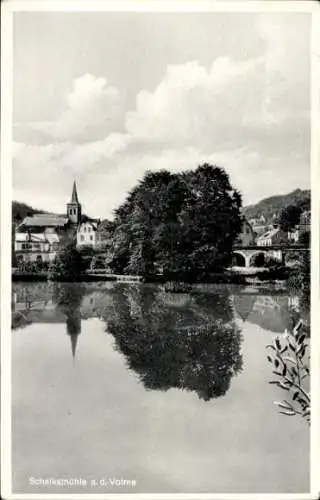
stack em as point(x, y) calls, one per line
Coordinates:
point(123, 388)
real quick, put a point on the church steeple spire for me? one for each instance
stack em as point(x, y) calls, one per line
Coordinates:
point(74, 197)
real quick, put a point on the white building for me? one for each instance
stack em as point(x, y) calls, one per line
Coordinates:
point(294, 235)
point(87, 233)
point(271, 237)
point(38, 247)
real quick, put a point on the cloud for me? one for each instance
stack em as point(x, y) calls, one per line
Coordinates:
point(93, 108)
point(192, 104)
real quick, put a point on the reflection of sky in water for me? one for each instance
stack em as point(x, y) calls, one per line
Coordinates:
point(92, 417)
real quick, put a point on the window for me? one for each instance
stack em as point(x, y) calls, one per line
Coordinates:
point(39, 258)
point(91, 238)
point(26, 246)
point(81, 237)
point(85, 229)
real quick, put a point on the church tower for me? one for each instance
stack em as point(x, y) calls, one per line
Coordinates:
point(74, 207)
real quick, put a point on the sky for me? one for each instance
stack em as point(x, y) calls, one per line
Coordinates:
point(101, 98)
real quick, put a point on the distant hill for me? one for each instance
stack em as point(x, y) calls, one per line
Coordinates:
point(274, 204)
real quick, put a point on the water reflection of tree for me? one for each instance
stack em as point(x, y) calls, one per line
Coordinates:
point(193, 346)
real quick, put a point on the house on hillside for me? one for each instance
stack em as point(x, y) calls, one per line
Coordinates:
point(304, 226)
point(259, 230)
point(260, 225)
point(38, 237)
point(305, 222)
point(275, 236)
point(257, 221)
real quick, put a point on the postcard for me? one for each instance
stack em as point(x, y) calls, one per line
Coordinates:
point(160, 249)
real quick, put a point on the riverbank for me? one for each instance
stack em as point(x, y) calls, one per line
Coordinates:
point(250, 276)
point(84, 277)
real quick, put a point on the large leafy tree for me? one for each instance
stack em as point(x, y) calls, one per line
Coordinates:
point(183, 223)
point(289, 217)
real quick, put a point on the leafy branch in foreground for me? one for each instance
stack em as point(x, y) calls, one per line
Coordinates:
point(290, 359)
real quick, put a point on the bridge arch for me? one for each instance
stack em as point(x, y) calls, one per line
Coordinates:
point(248, 257)
point(257, 258)
point(239, 258)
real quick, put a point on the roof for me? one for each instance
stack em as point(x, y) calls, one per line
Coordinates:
point(93, 223)
point(35, 238)
point(269, 234)
point(43, 220)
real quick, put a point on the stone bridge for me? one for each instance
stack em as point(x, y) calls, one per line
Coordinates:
point(254, 255)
